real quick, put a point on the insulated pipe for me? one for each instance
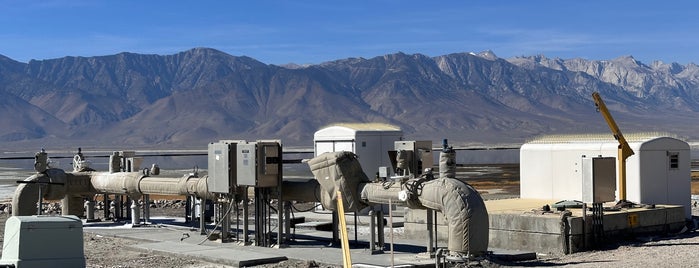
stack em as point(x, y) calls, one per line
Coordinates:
point(26, 196)
point(125, 183)
point(133, 184)
point(462, 206)
point(24, 201)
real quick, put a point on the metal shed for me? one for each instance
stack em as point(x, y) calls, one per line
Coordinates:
point(658, 173)
point(370, 141)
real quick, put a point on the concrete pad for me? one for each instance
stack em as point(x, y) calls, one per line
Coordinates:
point(228, 256)
point(315, 225)
point(516, 205)
point(521, 224)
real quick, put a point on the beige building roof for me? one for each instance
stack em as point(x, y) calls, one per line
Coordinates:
point(599, 137)
point(367, 126)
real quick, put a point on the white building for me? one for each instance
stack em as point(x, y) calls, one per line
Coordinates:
point(370, 141)
point(658, 173)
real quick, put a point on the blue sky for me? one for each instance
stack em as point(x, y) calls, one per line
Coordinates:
point(279, 32)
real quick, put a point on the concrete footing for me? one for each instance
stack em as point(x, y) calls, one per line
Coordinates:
point(520, 224)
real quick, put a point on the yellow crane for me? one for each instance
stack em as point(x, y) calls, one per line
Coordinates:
point(625, 150)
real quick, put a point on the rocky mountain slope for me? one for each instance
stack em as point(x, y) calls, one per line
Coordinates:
point(197, 96)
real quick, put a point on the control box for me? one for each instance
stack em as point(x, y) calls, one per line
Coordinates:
point(222, 166)
point(259, 163)
point(421, 155)
point(599, 179)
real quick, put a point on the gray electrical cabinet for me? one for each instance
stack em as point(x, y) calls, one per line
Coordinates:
point(43, 241)
point(421, 154)
point(599, 179)
point(222, 166)
point(259, 163)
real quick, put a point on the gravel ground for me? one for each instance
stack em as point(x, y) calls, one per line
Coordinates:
point(671, 251)
point(658, 251)
point(113, 252)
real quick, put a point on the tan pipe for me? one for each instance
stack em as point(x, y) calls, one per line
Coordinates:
point(186, 185)
point(24, 201)
point(125, 183)
point(465, 212)
point(462, 206)
point(26, 195)
point(133, 184)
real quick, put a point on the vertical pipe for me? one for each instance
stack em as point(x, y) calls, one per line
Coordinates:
point(246, 200)
point(117, 206)
point(225, 220)
point(584, 225)
point(41, 197)
point(259, 218)
point(280, 215)
point(106, 204)
point(73, 205)
point(356, 241)
point(114, 163)
point(146, 208)
point(287, 221)
point(202, 215)
point(390, 223)
point(237, 222)
point(135, 214)
point(435, 236)
point(280, 203)
point(430, 231)
point(190, 209)
point(372, 230)
point(379, 218)
point(336, 229)
point(90, 209)
point(126, 205)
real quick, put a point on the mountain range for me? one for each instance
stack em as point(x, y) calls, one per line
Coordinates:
point(191, 98)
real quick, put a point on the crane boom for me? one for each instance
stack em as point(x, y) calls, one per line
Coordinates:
point(624, 150)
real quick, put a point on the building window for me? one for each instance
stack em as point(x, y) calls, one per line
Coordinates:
point(364, 144)
point(674, 160)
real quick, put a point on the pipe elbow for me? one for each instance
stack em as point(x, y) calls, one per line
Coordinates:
point(464, 211)
point(26, 195)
